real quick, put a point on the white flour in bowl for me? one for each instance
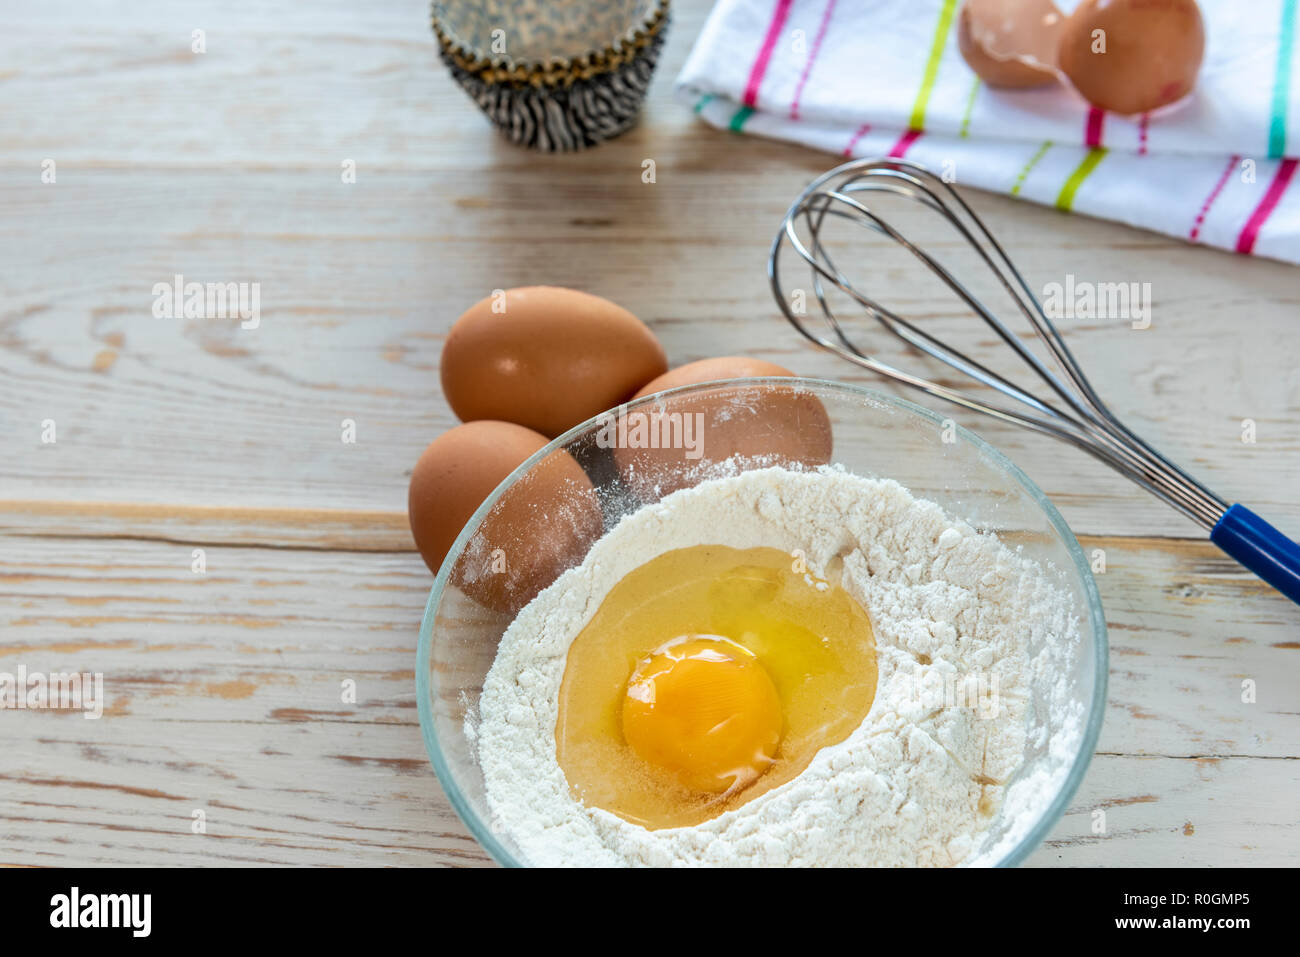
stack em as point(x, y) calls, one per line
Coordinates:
point(961, 624)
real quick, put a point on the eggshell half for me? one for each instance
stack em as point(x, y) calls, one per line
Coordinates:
point(1011, 43)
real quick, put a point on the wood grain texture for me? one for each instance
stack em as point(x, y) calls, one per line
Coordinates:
point(223, 694)
point(224, 688)
point(359, 282)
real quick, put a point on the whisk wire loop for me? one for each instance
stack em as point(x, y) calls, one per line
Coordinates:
point(1088, 424)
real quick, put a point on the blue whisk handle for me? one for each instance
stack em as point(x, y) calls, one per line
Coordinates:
point(1261, 548)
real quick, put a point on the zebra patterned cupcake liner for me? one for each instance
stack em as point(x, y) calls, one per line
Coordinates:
point(553, 75)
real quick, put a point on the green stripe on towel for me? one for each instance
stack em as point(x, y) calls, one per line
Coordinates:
point(1066, 198)
point(1033, 161)
point(940, 41)
point(738, 120)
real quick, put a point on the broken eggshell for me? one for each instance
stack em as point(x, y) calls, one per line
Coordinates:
point(1011, 43)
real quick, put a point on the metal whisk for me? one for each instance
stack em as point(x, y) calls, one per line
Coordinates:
point(1073, 412)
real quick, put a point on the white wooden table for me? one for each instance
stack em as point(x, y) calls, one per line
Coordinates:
point(176, 435)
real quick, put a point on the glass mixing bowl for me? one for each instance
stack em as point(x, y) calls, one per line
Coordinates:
point(550, 527)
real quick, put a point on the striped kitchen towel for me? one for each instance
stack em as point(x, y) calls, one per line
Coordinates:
point(885, 77)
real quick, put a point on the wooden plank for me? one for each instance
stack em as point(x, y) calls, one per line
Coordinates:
point(1162, 812)
point(360, 282)
point(181, 434)
point(223, 694)
point(1187, 627)
point(323, 528)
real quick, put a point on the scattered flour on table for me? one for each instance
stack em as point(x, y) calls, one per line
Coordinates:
point(962, 623)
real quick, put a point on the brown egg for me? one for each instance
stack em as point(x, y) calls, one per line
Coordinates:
point(707, 370)
point(546, 357)
point(541, 525)
point(1011, 43)
point(679, 441)
point(1152, 52)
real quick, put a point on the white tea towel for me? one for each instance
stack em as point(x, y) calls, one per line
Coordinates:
point(885, 77)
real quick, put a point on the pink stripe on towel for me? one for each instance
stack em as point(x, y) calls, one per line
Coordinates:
point(812, 58)
point(1214, 194)
point(774, 28)
point(1092, 132)
point(904, 143)
point(861, 132)
point(1250, 233)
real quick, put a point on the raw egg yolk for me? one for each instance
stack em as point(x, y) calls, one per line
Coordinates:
point(704, 709)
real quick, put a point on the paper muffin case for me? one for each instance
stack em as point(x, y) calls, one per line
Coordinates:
point(554, 75)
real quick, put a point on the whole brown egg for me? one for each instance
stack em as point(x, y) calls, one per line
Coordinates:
point(1132, 56)
point(545, 357)
point(541, 525)
point(681, 440)
point(709, 370)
